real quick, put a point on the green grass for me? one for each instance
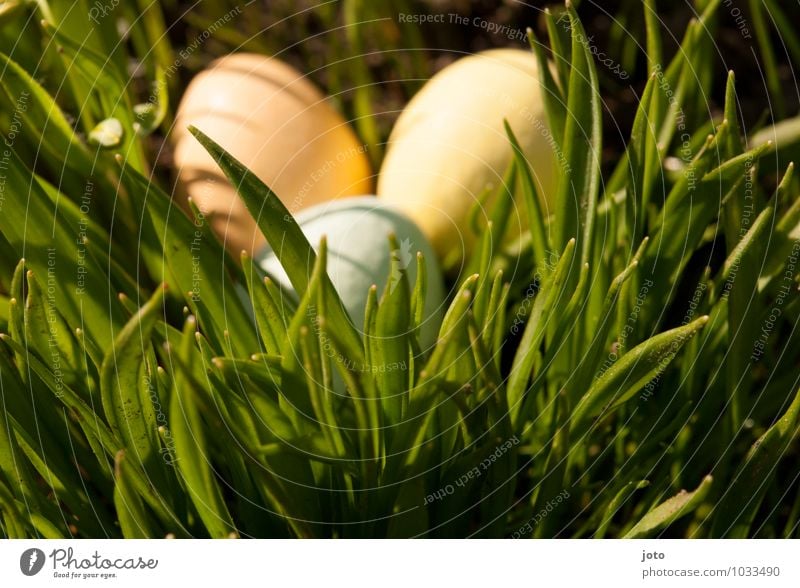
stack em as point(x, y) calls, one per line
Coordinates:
point(629, 369)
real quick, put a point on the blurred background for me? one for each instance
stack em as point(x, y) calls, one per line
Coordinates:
point(324, 39)
point(373, 56)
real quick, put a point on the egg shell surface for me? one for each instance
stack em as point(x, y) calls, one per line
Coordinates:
point(450, 143)
point(357, 232)
point(275, 121)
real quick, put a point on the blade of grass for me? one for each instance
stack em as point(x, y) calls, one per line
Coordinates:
point(126, 393)
point(637, 367)
point(580, 181)
point(670, 511)
point(534, 332)
point(280, 229)
point(736, 511)
point(190, 436)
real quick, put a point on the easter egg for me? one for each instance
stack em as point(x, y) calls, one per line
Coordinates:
point(450, 143)
point(278, 124)
point(357, 232)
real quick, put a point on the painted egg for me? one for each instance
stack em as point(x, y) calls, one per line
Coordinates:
point(359, 255)
point(450, 143)
point(277, 123)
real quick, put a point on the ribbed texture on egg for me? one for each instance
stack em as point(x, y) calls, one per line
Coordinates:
point(276, 122)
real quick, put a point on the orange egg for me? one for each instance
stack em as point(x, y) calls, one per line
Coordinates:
point(277, 123)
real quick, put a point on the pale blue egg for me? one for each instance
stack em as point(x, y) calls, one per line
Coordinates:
point(359, 255)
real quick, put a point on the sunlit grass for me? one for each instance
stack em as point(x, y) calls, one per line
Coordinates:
point(583, 378)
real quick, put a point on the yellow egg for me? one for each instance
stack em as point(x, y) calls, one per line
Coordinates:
point(276, 122)
point(450, 143)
